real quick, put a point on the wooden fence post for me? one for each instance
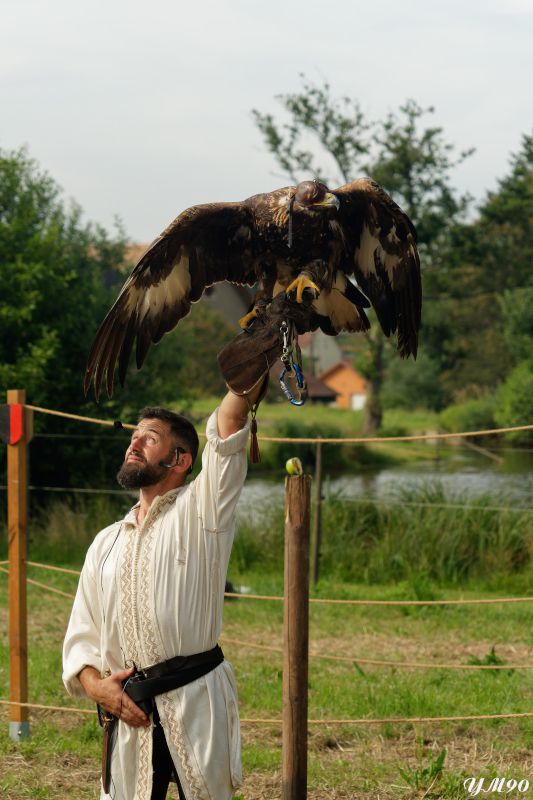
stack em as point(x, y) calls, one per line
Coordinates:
point(317, 536)
point(296, 637)
point(17, 523)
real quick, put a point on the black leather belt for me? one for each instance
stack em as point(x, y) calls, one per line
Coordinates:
point(171, 674)
point(179, 663)
point(146, 684)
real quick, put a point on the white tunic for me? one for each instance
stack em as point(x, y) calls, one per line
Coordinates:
point(154, 591)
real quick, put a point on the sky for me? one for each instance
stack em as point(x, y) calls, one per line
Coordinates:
point(139, 110)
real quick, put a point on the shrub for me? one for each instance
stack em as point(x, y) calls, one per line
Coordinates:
point(472, 415)
point(515, 406)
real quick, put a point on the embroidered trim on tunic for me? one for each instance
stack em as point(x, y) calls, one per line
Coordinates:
point(145, 772)
point(151, 654)
point(177, 735)
point(133, 552)
point(139, 634)
point(126, 601)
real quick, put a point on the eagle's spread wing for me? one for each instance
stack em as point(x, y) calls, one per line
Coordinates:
point(203, 245)
point(381, 243)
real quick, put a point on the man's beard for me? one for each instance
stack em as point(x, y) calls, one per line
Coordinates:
point(135, 476)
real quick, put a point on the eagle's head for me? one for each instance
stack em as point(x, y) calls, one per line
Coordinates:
point(315, 195)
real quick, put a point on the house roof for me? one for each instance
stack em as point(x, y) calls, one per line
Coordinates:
point(341, 364)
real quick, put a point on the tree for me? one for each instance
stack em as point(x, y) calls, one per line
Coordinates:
point(58, 278)
point(515, 401)
point(484, 288)
point(331, 138)
point(516, 305)
point(53, 273)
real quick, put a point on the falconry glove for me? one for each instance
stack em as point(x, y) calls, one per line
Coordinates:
point(245, 362)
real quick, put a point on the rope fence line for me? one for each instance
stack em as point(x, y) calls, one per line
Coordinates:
point(378, 662)
point(43, 585)
point(386, 503)
point(53, 568)
point(315, 440)
point(277, 721)
point(319, 600)
point(420, 437)
point(76, 489)
point(476, 601)
point(490, 450)
point(345, 659)
point(68, 709)
point(77, 417)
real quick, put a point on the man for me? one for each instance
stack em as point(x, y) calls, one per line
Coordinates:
point(151, 589)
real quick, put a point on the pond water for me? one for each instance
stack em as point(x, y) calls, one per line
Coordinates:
point(463, 476)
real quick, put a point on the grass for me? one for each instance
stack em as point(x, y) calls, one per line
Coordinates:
point(349, 422)
point(368, 551)
point(387, 761)
point(283, 420)
point(415, 539)
point(423, 540)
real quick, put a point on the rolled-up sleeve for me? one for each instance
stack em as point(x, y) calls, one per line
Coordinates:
point(81, 647)
point(219, 484)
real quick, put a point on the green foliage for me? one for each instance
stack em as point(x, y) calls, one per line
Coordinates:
point(424, 538)
point(277, 454)
point(411, 159)
point(53, 274)
point(63, 529)
point(516, 305)
point(471, 415)
point(412, 384)
point(415, 165)
point(478, 336)
point(515, 406)
point(424, 778)
point(503, 235)
point(338, 124)
point(490, 659)
point(470, 335)
point(58, 278)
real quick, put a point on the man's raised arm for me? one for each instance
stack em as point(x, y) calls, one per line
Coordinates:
point(234, 410)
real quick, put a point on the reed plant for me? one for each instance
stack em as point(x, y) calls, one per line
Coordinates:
point(423, 535)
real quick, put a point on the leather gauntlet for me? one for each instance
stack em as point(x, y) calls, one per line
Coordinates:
point(245, 362)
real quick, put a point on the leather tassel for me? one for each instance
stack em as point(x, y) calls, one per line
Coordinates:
point(255, 456)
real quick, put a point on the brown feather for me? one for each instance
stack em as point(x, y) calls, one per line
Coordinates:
point(367, 236)
point(382, 241)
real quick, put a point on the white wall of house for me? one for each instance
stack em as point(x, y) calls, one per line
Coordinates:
point(358, 401)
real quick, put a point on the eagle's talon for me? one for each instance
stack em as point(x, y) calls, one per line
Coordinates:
point(248, 318)
point(300, 284)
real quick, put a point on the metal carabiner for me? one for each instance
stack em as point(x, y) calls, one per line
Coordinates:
point(293, 372)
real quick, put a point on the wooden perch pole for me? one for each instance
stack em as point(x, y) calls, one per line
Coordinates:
point(296, 637)
point(17, 523)
point(317, 537)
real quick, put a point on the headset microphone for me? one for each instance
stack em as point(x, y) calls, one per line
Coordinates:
point(178, 452)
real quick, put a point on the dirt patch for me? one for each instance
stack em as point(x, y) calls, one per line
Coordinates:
point(397, 648)
point(366, 767)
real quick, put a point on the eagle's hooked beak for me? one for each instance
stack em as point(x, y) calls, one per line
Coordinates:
point(329, 201)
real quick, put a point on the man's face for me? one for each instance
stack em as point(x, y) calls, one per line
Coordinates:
point(150, 444)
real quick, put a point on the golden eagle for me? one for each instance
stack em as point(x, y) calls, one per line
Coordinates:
point(295, 239)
